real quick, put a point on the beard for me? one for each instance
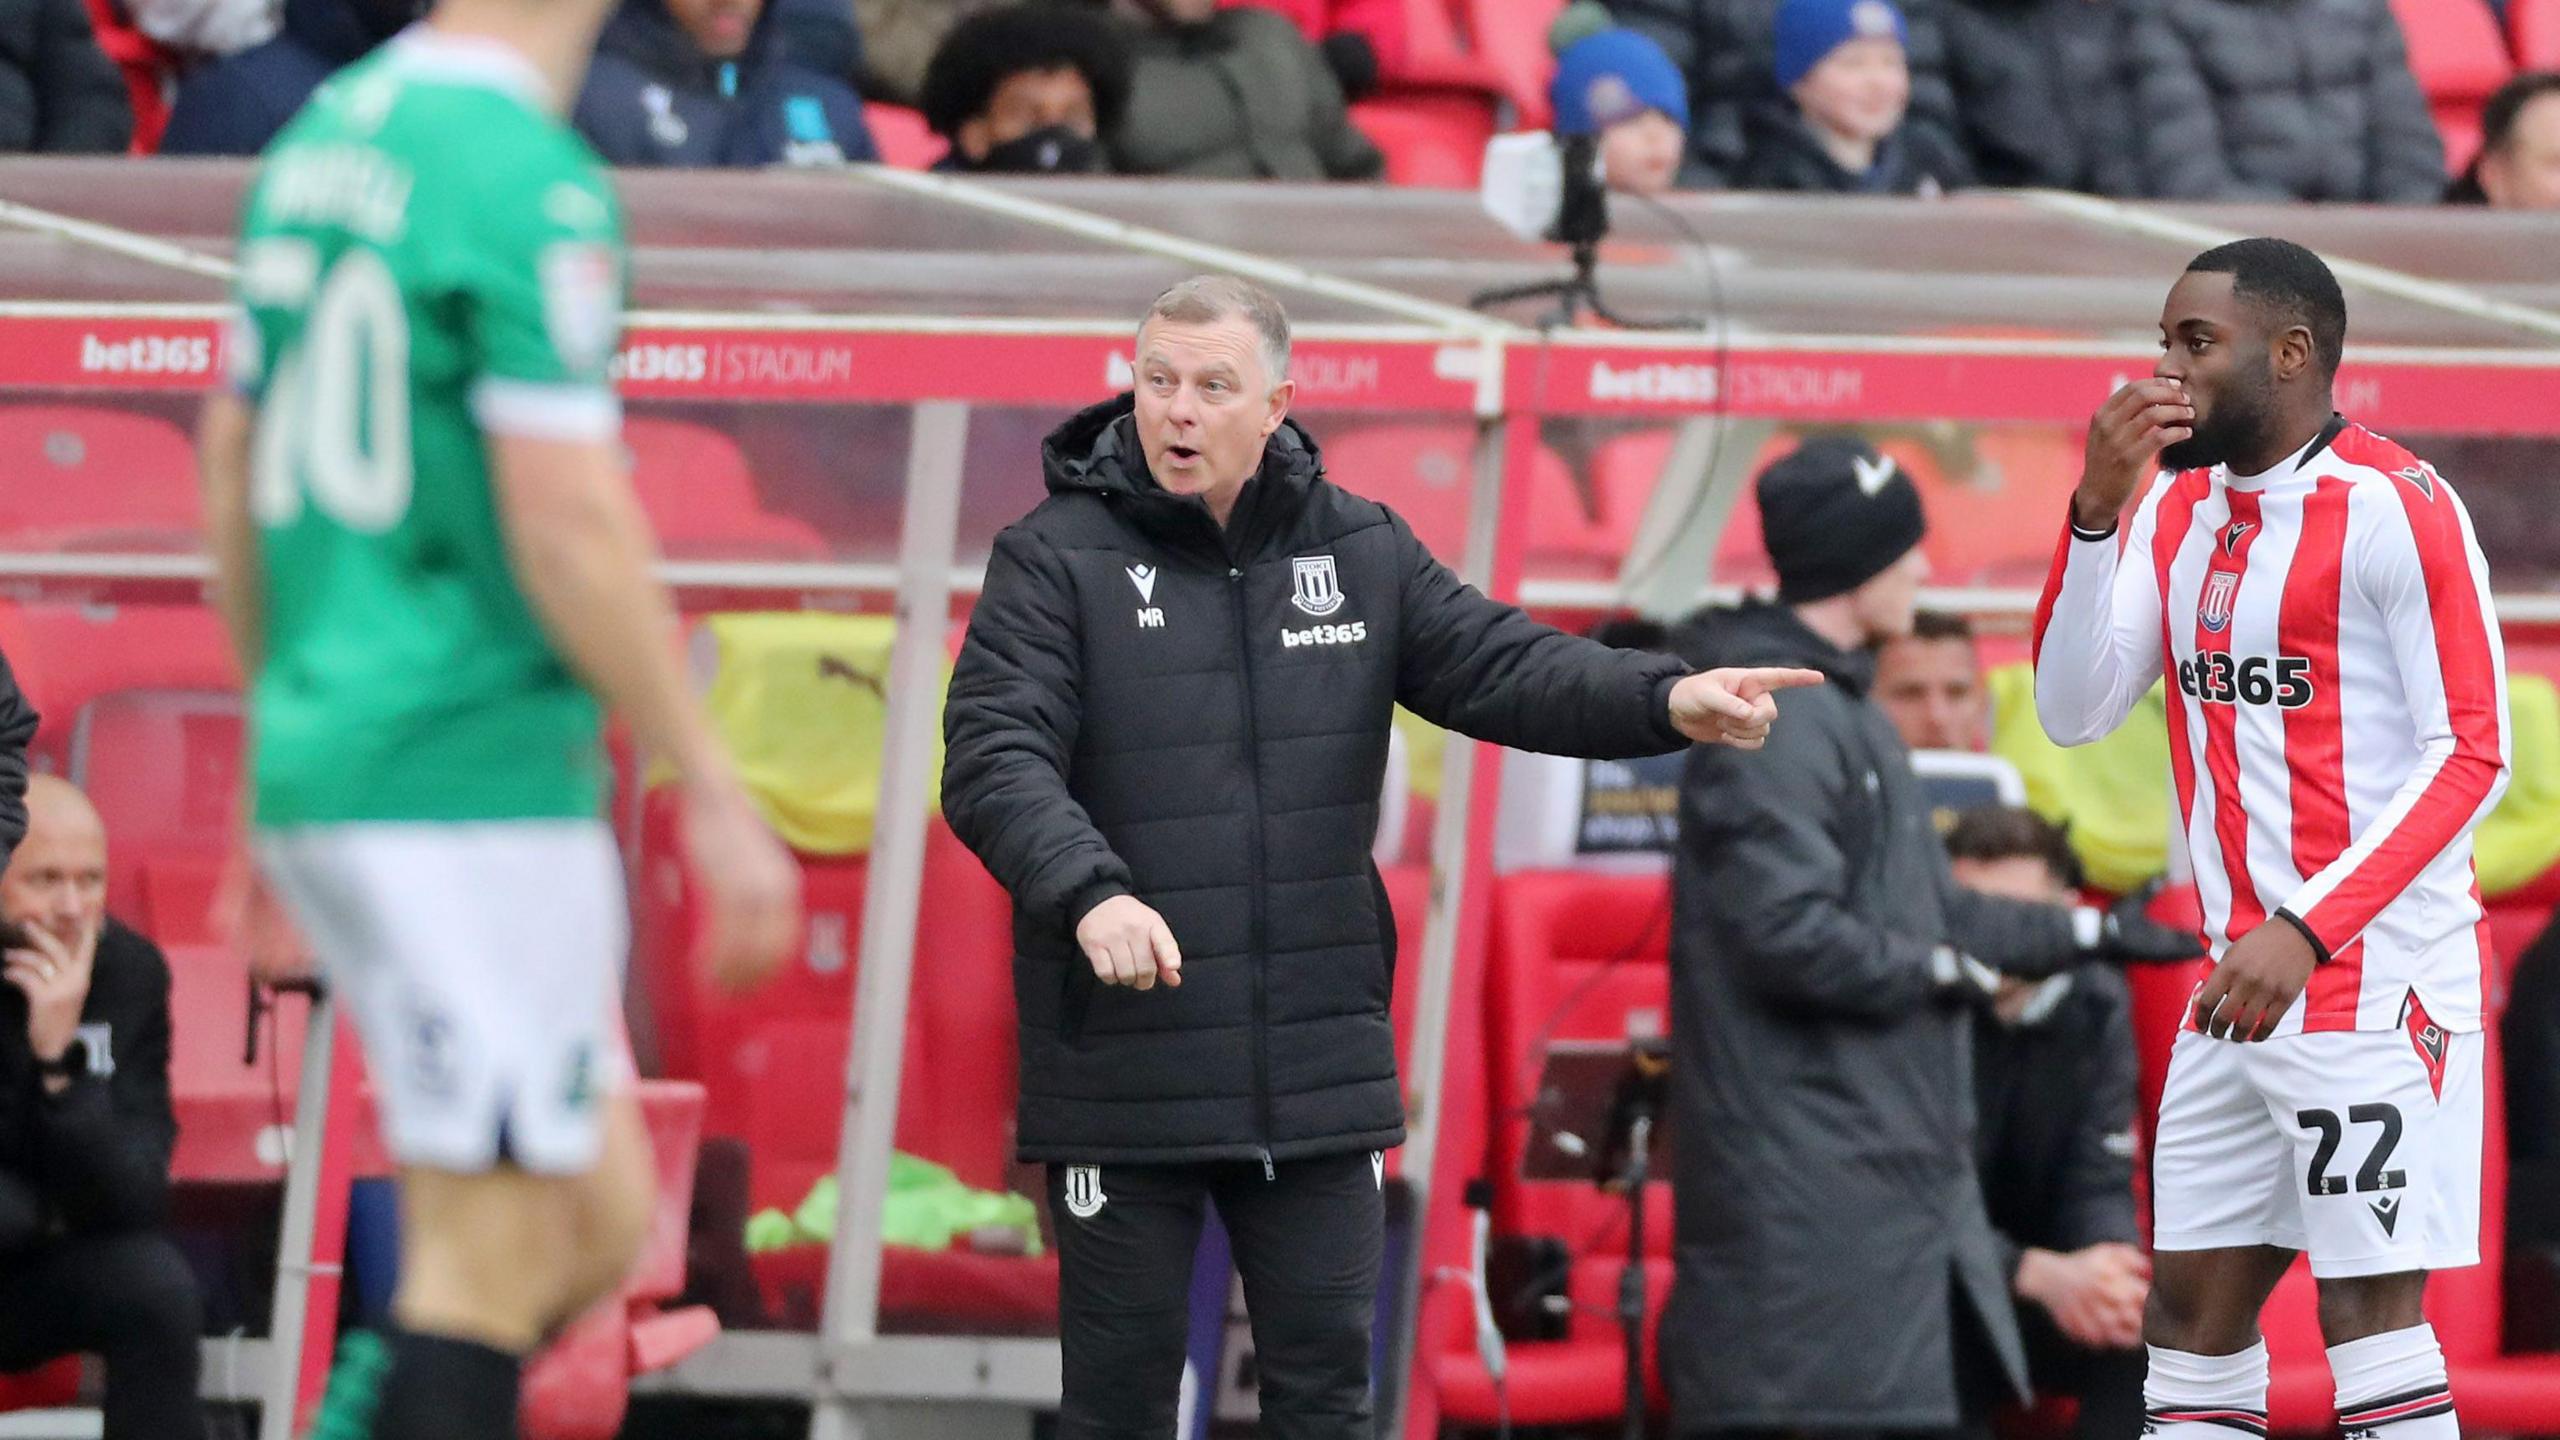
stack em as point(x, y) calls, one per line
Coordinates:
point(2238, 420)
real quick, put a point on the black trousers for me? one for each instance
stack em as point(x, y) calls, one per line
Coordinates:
point(1307, 1241)
point(2107, 1383)
point(128, 1299)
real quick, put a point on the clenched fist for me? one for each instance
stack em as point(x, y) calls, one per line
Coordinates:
point(1733, 707)
point(1129, 944)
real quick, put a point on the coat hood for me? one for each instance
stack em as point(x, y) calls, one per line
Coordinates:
point(1097, 450)
point(1763, 632)
point(643, 33)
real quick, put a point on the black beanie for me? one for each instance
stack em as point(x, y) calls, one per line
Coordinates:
point(1836, 514)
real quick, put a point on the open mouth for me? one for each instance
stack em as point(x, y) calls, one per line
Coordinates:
point(1181, 454)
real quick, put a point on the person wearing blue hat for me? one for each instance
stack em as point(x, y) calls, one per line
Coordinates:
point(1619, 86)
point(1843, 68)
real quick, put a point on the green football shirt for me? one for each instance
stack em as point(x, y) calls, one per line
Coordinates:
point(428, 257)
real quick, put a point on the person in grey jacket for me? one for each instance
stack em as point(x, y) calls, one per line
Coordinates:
point(59, 94)
point(1834, 1268)
point(1233, 95)
point(2044, 91)
point(2282, 100)
point(1728, 49)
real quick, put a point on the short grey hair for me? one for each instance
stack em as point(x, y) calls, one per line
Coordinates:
point(1208, 299)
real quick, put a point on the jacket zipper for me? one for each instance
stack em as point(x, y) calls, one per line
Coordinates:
point(1258, 938)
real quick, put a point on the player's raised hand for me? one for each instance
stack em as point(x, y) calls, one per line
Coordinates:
point(1733, 707)
point(2256, 983)
point(1128, 943)
point(2125, 440)
point(750, 889)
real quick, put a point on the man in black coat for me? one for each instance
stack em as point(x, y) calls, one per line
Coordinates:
point(1834, 1269)
point(1166, 734)
point(86, 1132)
point(2053, 1082)
point(59, 93)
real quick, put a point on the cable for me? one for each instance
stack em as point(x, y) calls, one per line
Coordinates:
point(1719, 323)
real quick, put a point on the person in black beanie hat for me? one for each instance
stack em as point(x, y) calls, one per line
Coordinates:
point(1825, 971)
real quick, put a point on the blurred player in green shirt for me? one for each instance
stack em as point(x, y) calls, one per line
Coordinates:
point(433, 567)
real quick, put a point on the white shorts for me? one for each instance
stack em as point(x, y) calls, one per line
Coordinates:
point(482, 962)
point(2361, 1147)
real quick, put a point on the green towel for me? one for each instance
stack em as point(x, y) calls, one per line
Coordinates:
point(927, 1208)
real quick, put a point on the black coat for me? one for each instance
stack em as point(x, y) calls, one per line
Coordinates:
point(2054, 1100)
point(235, 105)
point(1149, 705)
point(1785, 155)
point(2283, 100)
point(59, 93)
point(2044, 91)
point(95, 1158)
point(653, 97)
point(17, 728)
point(1728, 49)
point(1828, 1216)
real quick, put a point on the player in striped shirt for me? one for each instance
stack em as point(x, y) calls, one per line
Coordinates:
point(2338, 725)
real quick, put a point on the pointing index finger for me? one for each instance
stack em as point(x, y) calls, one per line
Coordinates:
point(1782, 678)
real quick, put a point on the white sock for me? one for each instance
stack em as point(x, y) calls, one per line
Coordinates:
point(2205, 1397)
point(2392, 1387)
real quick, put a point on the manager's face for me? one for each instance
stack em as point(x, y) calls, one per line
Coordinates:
point(1206, 402)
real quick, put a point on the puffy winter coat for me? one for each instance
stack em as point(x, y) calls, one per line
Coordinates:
point(1239, 96)
point(2283, 100)
point(58, 91)
point(1149, 704)
point(654, 98)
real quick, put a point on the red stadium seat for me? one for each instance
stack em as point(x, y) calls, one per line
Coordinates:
point(66, 655)
point(1424, 471)
point(163, 768)
point(1511, 36)
point(1575, 957)
point(2533, 31)
point(905, 141)
point(97, 478)
point(701, 497)
point(1432, 138)
point(224, 1104)
point(2460, 59)
point(1437, 52)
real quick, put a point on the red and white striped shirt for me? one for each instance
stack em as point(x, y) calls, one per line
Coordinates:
point(2338, 707)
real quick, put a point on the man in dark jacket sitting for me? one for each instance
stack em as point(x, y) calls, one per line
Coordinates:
point(711, 83)
point(2053, 1082)
point(1834, 1269)
point(1166, 735)
point(235, 105)
point(59, 94)
point(86, 1132)
point(1233, 95)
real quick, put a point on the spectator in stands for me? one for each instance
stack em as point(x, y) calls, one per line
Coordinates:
point(2518, 167)
point(237, 104)
point(1843, 69)
point(1617, 84)
point(1363, 40)
point(86, 1132)
point(1233, 95)
point(1728, 49)
point(1028, 88)
point(1114, 746)
point(2053, 1082)
point(2282, 100)
point(899, 38)
point(17, 727)
point(1825, 967)
point(59, 94)
point(2044, 91)
point(1929, 684)
point(819, 35)
point(710, 83)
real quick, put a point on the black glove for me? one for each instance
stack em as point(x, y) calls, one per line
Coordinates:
point(1961, 978)
point(2125, 933)
point(1354, 62)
